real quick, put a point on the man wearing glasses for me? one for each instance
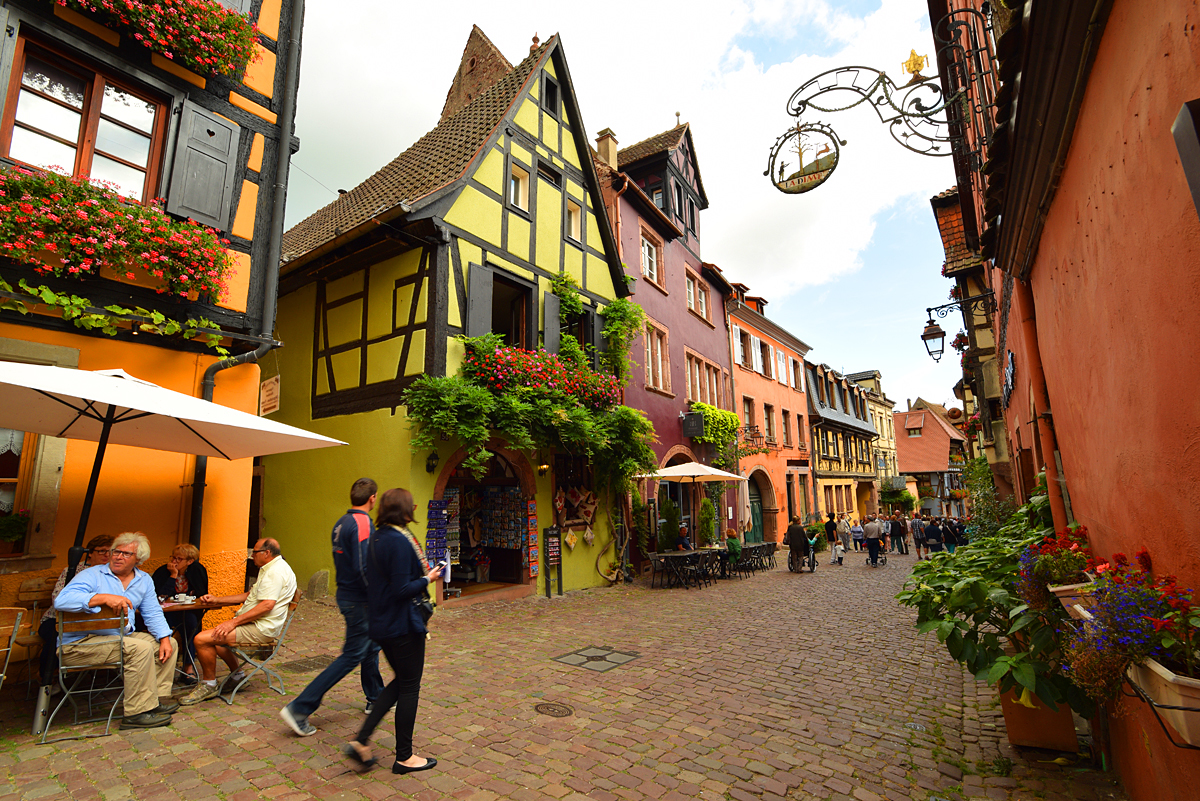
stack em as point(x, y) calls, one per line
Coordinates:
point(259, 620)
point(149, 668)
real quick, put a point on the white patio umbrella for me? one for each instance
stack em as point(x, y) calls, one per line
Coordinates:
point(747, 521)
point(112, 406)
point(691, 473)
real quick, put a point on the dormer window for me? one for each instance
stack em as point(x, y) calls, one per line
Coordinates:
point(678, 201)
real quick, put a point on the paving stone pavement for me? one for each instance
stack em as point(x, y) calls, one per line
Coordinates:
point(810, 686)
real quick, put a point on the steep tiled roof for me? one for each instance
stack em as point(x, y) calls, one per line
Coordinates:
point(435, 160)
point(659, 143)
point(928, 453)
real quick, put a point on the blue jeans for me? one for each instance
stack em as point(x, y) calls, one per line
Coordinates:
point(359, 649)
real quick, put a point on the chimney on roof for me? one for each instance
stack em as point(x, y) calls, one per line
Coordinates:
point(909, 402)
point(606, 146)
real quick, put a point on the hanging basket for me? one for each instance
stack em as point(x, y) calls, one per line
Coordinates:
point(1174, 699)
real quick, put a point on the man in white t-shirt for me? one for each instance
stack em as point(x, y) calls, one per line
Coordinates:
point(259, 620)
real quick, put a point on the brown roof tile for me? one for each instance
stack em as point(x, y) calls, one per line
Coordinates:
point(659, 143)
point(435, 160)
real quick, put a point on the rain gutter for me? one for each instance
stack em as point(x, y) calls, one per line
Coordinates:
point(287, 117)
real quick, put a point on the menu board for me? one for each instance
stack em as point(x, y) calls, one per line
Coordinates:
point(553, 546)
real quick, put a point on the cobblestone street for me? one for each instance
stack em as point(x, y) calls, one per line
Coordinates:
point(776, 686)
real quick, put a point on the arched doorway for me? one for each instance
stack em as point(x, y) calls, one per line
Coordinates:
point(481, 524)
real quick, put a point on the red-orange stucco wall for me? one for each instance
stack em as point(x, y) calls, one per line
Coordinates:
point(1117, 284)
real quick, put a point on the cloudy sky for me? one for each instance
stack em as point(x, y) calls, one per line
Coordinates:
point(849, 268)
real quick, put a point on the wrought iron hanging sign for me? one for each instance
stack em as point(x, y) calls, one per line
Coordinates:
point(920, 116)
point(790, 171)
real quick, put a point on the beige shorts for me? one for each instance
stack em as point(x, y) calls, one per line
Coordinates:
point(250, 635)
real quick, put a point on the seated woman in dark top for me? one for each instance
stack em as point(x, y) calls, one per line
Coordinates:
point(183, 575)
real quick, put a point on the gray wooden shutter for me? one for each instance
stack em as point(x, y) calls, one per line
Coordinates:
point(598, 341)
point(552, 338)
point(203, 172)
point(479, 300)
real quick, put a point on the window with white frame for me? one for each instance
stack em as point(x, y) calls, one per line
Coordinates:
point(650, 269)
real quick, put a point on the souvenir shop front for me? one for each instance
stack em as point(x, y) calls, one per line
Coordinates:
point(486, 528)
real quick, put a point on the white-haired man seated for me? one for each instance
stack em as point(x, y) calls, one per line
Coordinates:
point(149, 658)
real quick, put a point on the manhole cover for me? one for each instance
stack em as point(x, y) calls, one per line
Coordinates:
point(596, 658)
point(554, 710)
point(914, 726)
point(309, 664)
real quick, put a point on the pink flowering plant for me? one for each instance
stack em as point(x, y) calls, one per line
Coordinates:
point(202, 35)
point(68, 227)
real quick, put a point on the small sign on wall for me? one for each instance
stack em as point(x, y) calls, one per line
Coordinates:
point(268, 396)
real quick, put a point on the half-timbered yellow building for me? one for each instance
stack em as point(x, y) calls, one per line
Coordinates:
point(459, 235)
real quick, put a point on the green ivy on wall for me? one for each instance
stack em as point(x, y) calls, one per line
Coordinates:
point(81, 313)
point(624, 321)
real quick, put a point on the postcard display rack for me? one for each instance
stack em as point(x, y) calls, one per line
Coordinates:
point(443, 529)
point(510, 524)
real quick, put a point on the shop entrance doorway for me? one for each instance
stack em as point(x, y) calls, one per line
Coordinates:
point(483, 528)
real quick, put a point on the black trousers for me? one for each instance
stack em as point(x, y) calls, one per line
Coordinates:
point(406, 655)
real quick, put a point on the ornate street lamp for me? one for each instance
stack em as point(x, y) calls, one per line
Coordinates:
point(935, 338)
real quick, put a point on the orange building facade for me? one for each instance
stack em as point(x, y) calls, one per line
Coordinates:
point(214, 148)
point(769, 397)
point(1088, 236)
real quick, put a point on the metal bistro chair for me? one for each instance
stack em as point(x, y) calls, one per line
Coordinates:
point(771, 550)
point(72, 677)
point(259, 655)
point(657, 569)
point(10, 624)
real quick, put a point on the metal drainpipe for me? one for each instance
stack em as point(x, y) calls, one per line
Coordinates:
point(274, 247)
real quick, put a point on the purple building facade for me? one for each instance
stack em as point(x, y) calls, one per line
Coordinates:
point(654, 194)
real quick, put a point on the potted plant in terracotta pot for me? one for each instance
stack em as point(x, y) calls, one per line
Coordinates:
point(13, 528)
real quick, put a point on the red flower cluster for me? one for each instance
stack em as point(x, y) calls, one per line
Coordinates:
point(69, 227)
point(1069, 539)
point(200, 34)
point(512, 370)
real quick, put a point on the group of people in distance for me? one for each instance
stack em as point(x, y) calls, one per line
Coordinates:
point(110, 578)
point(885, 532)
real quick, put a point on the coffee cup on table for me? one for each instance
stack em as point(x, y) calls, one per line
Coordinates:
point(181, 598)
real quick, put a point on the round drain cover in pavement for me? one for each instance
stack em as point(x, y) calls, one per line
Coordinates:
point(554, 710)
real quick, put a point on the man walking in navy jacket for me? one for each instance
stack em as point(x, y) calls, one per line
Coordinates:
point(351, 535)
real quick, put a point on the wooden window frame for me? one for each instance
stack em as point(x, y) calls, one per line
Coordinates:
point(549, 83)
point(574, 222)
point(785, 420)
point(85, 145)
point(748, 411)
point(657, 336)
point(519, 185)
point(769, 422)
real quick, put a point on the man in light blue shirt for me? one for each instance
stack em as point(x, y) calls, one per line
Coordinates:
point(123, 588)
